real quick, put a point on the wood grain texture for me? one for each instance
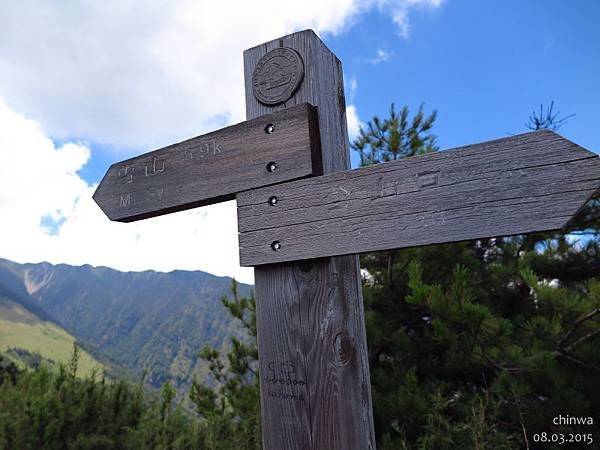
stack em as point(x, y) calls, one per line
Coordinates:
point(213, 167)
point(526, 183)
point(315, 387)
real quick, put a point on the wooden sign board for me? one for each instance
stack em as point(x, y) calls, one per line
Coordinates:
point(527, 183)
point(211, 168)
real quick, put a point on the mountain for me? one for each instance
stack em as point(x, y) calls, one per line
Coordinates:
point(149, 321)
point(24, 336)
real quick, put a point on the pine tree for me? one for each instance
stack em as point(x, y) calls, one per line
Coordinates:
point(479, 344)
point(232, 410)
point(52, 409)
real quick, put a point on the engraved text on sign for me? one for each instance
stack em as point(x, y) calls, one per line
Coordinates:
point(213, 167)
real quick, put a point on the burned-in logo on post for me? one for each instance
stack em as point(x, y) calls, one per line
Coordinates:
point(277, 76)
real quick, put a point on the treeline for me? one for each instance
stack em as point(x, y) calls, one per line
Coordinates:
point(49, 409)
point(481, 344)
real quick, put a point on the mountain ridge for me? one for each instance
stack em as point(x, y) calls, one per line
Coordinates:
point(147, 321)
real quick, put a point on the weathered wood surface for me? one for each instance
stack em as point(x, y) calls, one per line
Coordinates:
point(213, 167)
point(526, 183)
point(315, 386)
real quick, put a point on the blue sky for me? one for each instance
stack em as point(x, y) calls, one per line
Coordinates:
point(83, 85)
point(483, 65)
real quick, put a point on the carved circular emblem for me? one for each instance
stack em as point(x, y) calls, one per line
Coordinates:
point(277, 76)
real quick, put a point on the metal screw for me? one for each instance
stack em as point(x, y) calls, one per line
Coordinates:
point(272, 166)
point(269, 129)
point(273, 201)
point(276, 246)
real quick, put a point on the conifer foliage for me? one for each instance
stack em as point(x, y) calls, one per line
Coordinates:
point(54, 409)
point(233, 407)
point(480, 344)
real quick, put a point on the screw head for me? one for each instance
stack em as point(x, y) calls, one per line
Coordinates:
point(276, 246)
point(270, 128)
point(272, 166)
point(273, 200)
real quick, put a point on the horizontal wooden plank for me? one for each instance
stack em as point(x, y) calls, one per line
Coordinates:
point(531, 182)
point(214, 167)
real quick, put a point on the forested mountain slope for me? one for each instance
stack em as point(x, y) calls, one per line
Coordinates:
point(144, 321)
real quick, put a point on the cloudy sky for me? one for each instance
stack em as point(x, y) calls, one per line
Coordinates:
point(84, 84)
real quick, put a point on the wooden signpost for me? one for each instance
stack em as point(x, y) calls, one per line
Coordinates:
point(302, 236)
point(213, 167)
point(531, 182)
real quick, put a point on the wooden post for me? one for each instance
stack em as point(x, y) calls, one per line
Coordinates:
point(315, 385)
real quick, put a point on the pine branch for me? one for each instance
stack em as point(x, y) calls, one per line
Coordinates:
point(521, 420)
point(581, 340)
point(493, 362)
point(577, 361)
point(574, 328)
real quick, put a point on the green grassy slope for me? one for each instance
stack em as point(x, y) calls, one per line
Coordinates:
point(20, 329)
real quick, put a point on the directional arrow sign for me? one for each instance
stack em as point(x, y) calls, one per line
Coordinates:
point(211, 168)
point(526, 183)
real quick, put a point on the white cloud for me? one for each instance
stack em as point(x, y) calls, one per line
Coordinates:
point(142, 74)
point(39, 180)
point(33, 184)
point(354, 122)
point(380, 57)
point(351, 87)
point(138, 73)
point(399, 10)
